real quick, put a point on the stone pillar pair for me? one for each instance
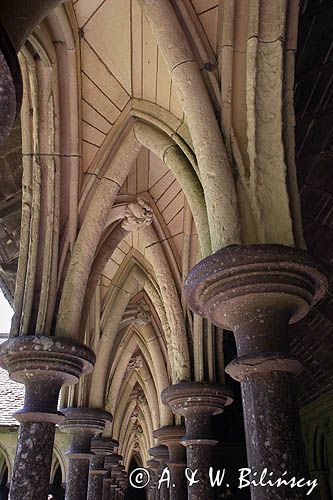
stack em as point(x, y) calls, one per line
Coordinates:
point(160, 456)
point(256, 291)
point(197, 402)
point(171, 437)
point(44, 365)
point(112, 466)
point(87, 453)
point(102, 449)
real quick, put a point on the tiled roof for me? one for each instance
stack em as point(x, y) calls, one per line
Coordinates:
point(11, 397)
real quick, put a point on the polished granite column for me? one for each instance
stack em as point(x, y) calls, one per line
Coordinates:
point(101, 447)
point(198, 402)
point(43, 365)
point(82, 424)
point(171, 437)
point(257, 291)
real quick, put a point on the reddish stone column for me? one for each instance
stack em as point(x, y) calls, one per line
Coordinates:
point(171, 437)
point(257, 291)
point(123, 483)
point(82, 424)
point(112, 464)
point(119, 478)
point(101, 447)
point(154, 467)
point(161, 454)
point(198, 402)
point(44, 365)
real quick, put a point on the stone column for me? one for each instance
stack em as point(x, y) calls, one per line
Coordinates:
point(44, 365)
point(171, 437)
point(198, 402)
point(82, 424)
point(154, 467)
point(119, 477)
point(161, 454)
point(123, 484)
point(257, 291)
point(101, 447)
point(112, 463)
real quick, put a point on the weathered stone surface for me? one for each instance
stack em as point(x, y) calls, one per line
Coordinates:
point(44, 365)
point(33, 461)
point(171, 436)
point(10, 86)
point(198, 402)
point(101, 447)
point(256, 291)
point(161, 455)
point(82, 424)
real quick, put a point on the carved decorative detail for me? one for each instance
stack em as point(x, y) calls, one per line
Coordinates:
point(135, 363)
point(134, 416)
point(138, 215)
point(142, 399)
point(143, 316)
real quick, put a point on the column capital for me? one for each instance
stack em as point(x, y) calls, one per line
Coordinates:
point(102, 445)
point(256, 291)
point(112, 461)
point(189, 398)
point(83, 424)
point(171, 436)
point(238, 281)
point(160, 453)
point(44, 365)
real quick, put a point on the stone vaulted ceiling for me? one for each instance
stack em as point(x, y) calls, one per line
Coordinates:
point(122, 74)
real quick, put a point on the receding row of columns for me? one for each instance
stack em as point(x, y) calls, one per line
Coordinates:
point(255, 291)
point(94, 471)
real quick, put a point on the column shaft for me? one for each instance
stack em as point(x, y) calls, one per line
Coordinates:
point(271, 415)
point(171, 437)
point(95, 486)
point(77, 482)
point(178, 484)
point(33, 459)
point(112, 492)
point(257, 291)
point(198, 402)
point(43, 365)
point(199, 452)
